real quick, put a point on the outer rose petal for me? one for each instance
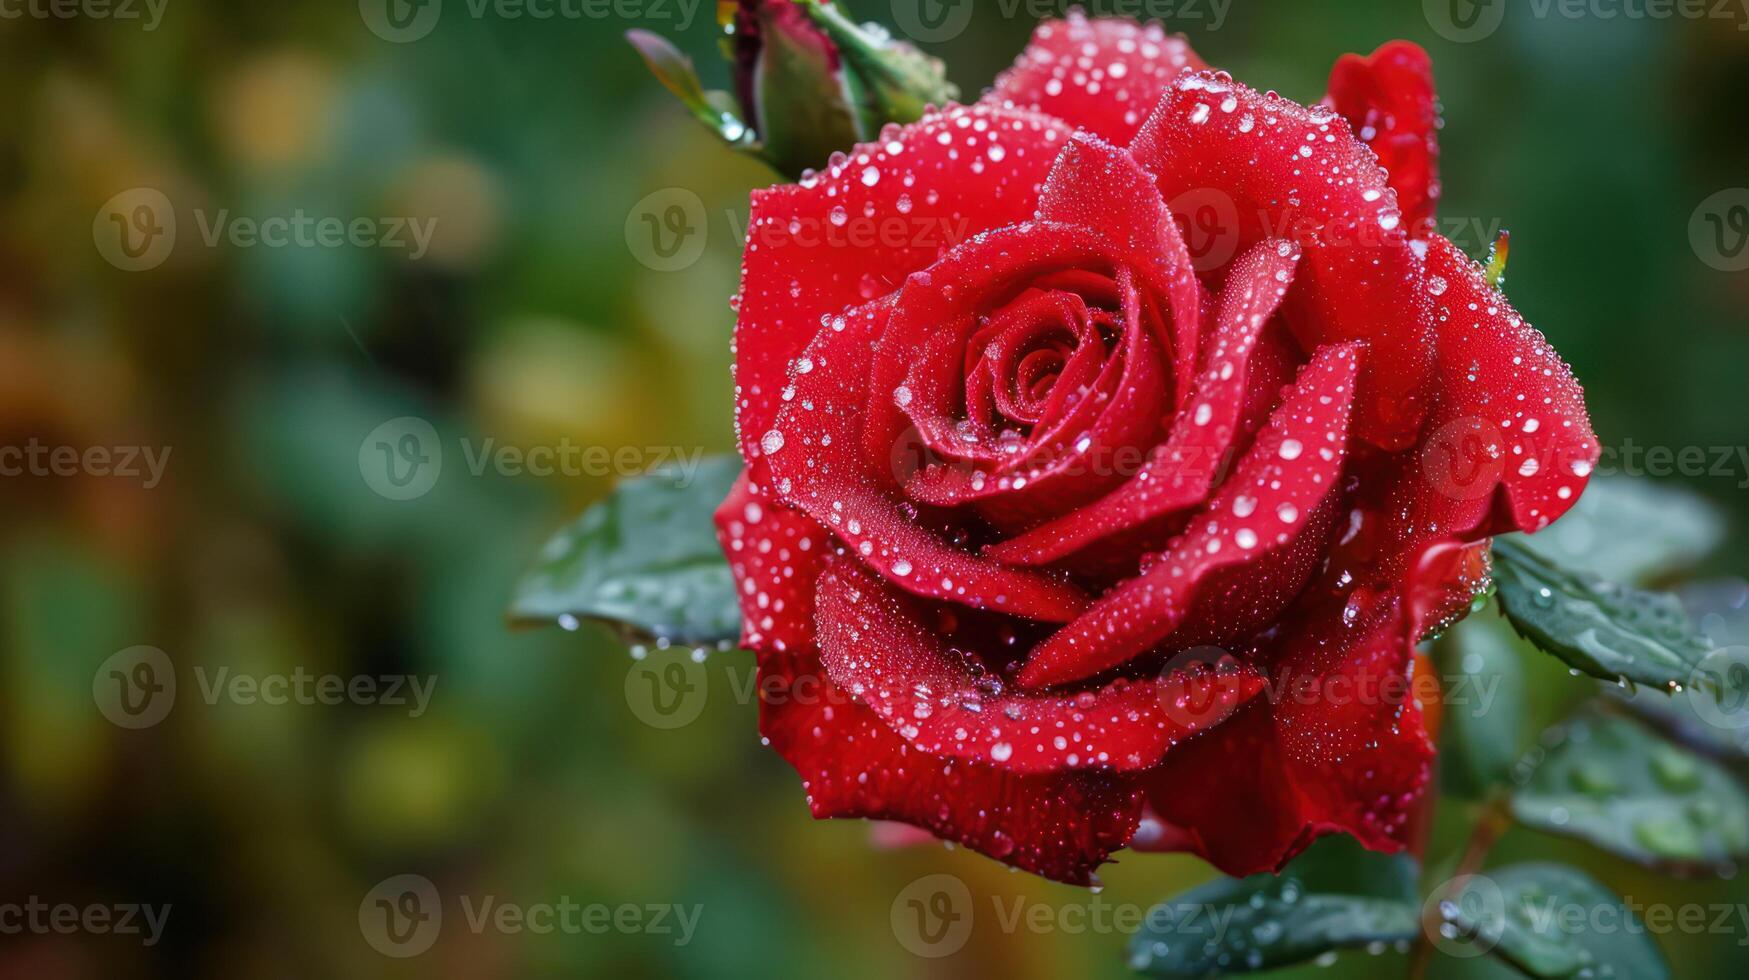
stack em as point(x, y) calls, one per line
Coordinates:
point(1061, 826)
point(1102, 75)
point(835, 241)
point(1501, 382)
point(1300, 174)
point(852, 765)
point(775, 554)
point(1338, 748)
point(1388, 97)
point(874, 644)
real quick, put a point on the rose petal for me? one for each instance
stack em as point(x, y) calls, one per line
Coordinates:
point(1502, 383)
point(775, 554)
point(1272, 498)
point(1389, 99)
point(814, 451)
point(941, 305)
point(1099, 186)
point(1061, 826)
point(1064, 465)
point(1338, 747)
point(855, 231)
point(873, 644)
point(1181, 473)
point(1299, 173)
point(1101, 75)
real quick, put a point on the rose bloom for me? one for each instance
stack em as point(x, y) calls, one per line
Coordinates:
point(1058, 537)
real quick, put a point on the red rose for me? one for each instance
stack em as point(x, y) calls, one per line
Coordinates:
point(1009, 495)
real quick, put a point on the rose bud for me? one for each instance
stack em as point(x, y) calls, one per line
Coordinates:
point(808, 82)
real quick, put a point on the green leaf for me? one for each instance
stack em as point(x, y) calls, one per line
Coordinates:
point(1334, 896)
point(677, 74)
point(645, 560)
point(1608, 780)
point(1612, 632)
point(1482, 690)
point(1713, 716)
point(1550, 922)
point(1631, 530)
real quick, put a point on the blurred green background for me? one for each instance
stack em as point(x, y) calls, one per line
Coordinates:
point(534, 775)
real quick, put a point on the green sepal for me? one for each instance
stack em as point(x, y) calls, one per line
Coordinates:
point(893, 82)
point(715, 109)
